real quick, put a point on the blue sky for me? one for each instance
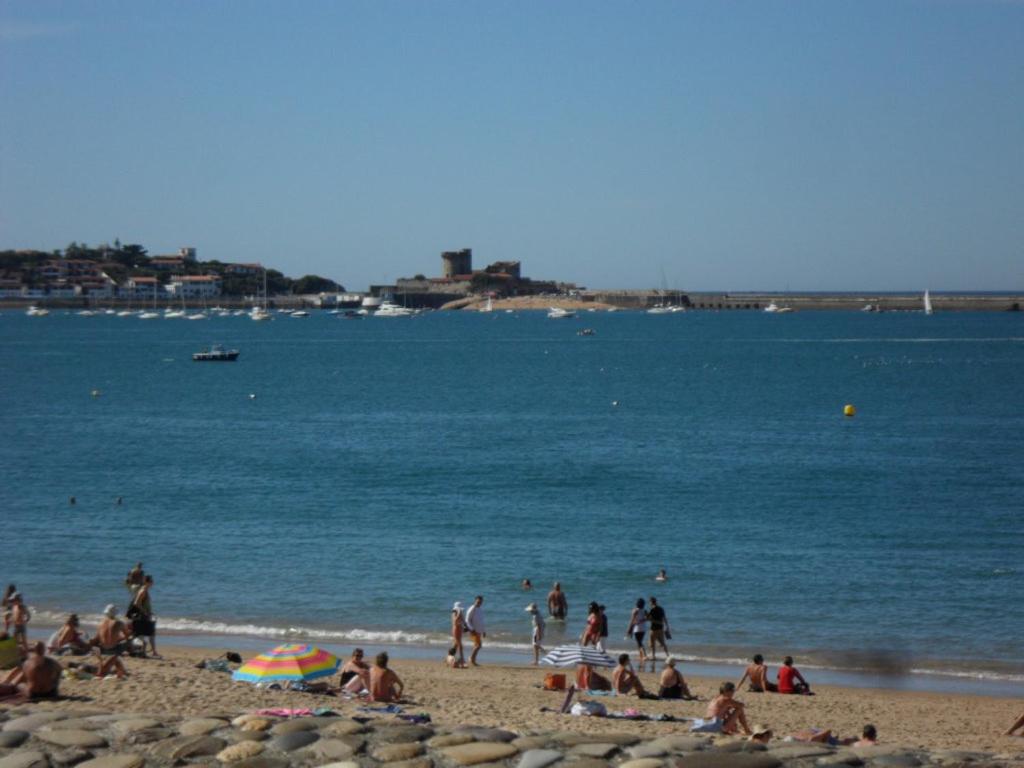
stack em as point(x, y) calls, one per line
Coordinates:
point(768, 145)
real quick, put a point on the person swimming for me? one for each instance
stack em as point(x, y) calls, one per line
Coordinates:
point(662, 575)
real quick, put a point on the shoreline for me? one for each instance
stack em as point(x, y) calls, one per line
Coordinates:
point(519, 655)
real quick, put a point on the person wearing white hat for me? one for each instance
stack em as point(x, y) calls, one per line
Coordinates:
point(538, 632)
point(458, 627)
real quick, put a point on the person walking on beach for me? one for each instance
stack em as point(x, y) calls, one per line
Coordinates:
point(659, 629)
point(475, 625)
point(602, 628)
point(143, 622)
point(637, 628)
point(458, 627)
point(788, 674)
point(538, 632)
point(385, 685)
point(757, 673)
point(558, 606)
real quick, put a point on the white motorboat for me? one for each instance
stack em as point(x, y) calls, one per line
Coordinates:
point(775, 308)
point(659, 309)
point(148, 315)
point(298, 313)
point(125, 313)
point(196, 316)
point(390, 309)
point(557, 313)
point(370, 303)
point(35, 311)
point(173, 314)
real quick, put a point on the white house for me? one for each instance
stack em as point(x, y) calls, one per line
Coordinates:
point(195, 286)
point(141, 288)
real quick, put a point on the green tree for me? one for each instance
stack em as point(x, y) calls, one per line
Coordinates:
point(315, 284)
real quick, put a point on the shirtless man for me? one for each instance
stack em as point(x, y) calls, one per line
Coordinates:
point(19, 618)
point(355, 673)
point(112, 637)
point(38, 677)
point(70, 639)
point(385, 685)
point(558, 606)
point(624, 679)
point(723, 714)
point(757, 673)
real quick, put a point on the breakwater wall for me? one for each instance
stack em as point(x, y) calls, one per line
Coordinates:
point(880, 302)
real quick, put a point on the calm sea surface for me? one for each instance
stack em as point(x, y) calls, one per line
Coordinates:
point(386, 467)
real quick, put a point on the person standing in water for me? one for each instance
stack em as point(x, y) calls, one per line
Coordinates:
point(538, 632)
point(558, 606)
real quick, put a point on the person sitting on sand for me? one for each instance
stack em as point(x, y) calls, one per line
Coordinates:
point(385, 685)
point(788, 674)
point(723, 714)
point(355, 673)
point(69, 638)
point(624, 679)
point(1016, 725)
point(671, 685)
point(112, 637)
point(869, 736)
point(761, 734)
point(37, 678)
point(558, 606)
point(589, 680)
point(757, 673)
point(453, 661)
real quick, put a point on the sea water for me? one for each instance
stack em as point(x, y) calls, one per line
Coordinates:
point(347, 480)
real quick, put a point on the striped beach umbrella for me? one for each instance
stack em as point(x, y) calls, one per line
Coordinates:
point(570, 655)
point(288, 662)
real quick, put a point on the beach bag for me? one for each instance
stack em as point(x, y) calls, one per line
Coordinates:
point(588, 709)
point(8, 653)
point(554, 682)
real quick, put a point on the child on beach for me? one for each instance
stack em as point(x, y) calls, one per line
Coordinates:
point(538, 632)
point(452, 660)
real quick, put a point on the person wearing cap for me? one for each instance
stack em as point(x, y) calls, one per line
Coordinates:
point(112, 638)
point(671, 684)
point(538, 632)
point(458, 627)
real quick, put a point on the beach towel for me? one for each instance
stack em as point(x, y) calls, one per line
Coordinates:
point(284, 712)
point(390, 709)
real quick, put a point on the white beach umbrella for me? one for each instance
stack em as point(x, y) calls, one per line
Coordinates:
point(571, 655)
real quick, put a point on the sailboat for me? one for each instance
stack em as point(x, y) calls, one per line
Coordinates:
point(260, 314)
point(927, 302)
point(489, 306)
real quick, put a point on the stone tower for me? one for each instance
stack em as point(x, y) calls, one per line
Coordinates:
point(456, 262)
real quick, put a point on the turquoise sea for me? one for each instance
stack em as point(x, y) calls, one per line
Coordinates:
point(346, 480)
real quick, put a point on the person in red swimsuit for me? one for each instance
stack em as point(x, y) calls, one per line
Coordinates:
point(790, 679)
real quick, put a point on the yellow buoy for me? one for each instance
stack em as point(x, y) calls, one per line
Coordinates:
point(849, 410)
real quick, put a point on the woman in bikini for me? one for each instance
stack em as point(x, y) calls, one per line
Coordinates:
point(638, 628)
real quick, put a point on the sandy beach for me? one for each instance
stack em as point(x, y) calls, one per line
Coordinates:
point(511, 697)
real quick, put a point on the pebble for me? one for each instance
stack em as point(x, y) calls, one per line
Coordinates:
point(538, 758)
point(239, 751)
point(24, 760)
point(72, 738)
point(449, 740)
point(256, 724)
point(201, 726)
point(390, 753)
point(418, 762)
point(235, 737)
point(840, 758)
point(188, 746)
point(346, 764)
point(133, 725)
point(67, 757)
point(643, 762)
point(114, 761)
point(479, 752)
point(798, 751)
point(288, 742)
point(294, 726)
point(401, 734)
point(262, 761)
point(599, 750)
point(575, 739)
point(148, 736)
point(12, 739)
point(75, 723)
point(646, 751)
point(681, 743)
point(720, 759)
point(344, 728)
point(332, 749)
point(524, 743)
point(486, 734)
point(32, 722)
point(896, 761)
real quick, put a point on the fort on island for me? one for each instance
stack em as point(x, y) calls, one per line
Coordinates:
point(120, 275)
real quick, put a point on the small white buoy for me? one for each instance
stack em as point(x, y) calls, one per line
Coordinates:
point(615, 402)
point(95, 393)
point(252, 395)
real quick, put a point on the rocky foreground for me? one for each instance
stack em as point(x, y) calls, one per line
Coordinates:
point(36, 738)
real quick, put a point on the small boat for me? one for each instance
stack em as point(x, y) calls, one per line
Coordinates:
point(389, 309)
point(488, 307)
point(298, 313)
point(149, 315)
point(773, 307)
point(927, 303)
point(586, 332)
point(659, 309)
point(35, 311)
point(557, 313)
point(196, 316)
point(216, 353)
point(173, 314)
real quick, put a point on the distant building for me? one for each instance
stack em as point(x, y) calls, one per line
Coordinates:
point(194, 286)
point(167, 263)
point(456, 263)
point(141, 288)
point(188, 254)
point(509, 268)
point(243, 269)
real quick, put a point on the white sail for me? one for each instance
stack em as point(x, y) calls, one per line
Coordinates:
point(927, 303)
